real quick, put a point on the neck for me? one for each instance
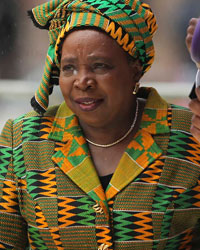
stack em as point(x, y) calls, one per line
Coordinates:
point(112, 132)
point(105, 135)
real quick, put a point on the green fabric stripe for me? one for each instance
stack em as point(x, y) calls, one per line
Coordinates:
point(45, 102)
point(101, 21)
point(122, 221)
point(85, 15)
point(135, 17)
point(149, 44)
point(93, 19)
point(141, 25)
point(143, 13)
point(43, 12)
point(76, 19)
point(37, 17)
point(104, 4)
point(126, 26)
point(137, 5)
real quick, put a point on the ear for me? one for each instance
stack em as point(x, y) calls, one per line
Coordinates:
point(136, 68)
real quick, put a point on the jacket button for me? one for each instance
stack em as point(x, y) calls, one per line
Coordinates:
point(103, 247)
point(98, 209)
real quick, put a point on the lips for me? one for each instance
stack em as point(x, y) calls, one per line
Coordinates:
point(88, 103)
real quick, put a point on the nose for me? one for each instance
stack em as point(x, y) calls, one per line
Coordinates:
point(84, 80)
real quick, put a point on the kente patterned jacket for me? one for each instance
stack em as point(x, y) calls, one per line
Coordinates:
point(51, 197)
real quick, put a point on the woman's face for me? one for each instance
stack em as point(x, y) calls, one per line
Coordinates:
point(96, 78)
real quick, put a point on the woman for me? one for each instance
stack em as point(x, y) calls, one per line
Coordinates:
point(112, 167)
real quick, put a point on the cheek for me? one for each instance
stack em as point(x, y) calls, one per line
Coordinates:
point(65, 86)
point(121, 92)
point(122, 75)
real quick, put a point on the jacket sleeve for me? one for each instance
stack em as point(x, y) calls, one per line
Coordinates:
point(13, 232)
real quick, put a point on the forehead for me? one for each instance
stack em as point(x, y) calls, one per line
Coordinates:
point(89, 33)
point(91, 41)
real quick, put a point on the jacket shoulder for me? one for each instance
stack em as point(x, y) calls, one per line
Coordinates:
point(180, 118)
point(51, 112)
point(33, 126)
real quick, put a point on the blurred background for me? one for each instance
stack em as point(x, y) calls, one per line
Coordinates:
point(23, 49)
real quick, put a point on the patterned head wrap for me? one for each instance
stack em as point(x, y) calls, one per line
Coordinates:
point(130, 22)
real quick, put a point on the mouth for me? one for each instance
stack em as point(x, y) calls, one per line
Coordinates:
point(88, 104)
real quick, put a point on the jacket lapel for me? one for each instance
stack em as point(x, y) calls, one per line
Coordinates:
point(140, 153)
point(72, 154)
point(142, 150)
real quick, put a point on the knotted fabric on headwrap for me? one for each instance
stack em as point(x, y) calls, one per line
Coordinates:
point(130, 22)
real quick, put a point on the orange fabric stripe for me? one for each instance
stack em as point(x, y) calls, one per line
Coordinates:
point(89, 16)
point(97, 20)
point(100, 192)
point(111, 192)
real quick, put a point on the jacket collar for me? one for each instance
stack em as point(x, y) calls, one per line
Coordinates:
point(73, 157)
point(155, 118)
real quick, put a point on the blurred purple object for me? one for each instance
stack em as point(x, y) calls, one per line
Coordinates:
point(195, 47)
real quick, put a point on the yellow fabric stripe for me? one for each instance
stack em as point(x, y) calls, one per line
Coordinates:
point(85, 175)
point(130, 169)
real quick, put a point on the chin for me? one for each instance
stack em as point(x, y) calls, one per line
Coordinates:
point(93, 120)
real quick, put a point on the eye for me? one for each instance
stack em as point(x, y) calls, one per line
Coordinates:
point(68, 69)
point(101, 67)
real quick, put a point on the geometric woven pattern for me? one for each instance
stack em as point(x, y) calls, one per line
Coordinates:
point(20, 169)
point(174, 243)
point(132, 226)
point(183, 147)
point(74, 212)
point(56, 237)
point(103, 236)
point(153, 173)
point(36, 240)
point(165, 232)
point(8, 200)
point(162, 198)
point(5, 158)
point(31, 128)
point(189, 198)
point(41, 184)
point(40, 219)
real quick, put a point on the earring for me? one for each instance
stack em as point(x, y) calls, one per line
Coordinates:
point(137, 85)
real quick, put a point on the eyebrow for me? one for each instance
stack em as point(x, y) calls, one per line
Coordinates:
point(70, 59)
point(74, 59)
point(93, 58)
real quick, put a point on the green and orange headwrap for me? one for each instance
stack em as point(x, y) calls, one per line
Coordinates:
point(130, 22)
